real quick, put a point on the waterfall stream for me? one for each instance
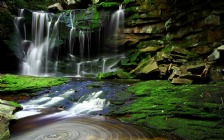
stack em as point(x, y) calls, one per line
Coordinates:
point(74, 111)
point(45, 53)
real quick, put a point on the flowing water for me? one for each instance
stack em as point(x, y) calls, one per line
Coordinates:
point(74, 112)
point(39, 45)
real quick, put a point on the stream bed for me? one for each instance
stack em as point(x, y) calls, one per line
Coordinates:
point(78, 110)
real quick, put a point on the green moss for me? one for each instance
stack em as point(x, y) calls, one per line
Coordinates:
point(167, 49)
point(16, 83)
point(189, 111)
point(119, 74)
point(15, 104)
point(108, 4)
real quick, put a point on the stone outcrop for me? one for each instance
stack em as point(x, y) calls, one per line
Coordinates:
point(7, 108)
point(178, 40)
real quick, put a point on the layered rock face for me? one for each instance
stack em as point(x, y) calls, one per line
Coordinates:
point(174, 39)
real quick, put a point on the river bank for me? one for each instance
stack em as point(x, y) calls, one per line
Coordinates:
point(187, 111)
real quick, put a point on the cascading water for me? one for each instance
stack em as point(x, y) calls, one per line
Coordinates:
point(117, 26)
point(117, 20)
point(85, 105)
point(41, 53)
point(79, 120)
point(35, 61)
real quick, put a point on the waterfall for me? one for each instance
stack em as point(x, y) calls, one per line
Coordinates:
point(82, 43)
point(39, 50)
point(117, 21)
point(72, 33)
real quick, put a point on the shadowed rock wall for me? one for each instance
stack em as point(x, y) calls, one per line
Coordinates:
point(174, 39)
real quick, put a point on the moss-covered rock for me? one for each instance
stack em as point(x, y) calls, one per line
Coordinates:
point(119, 74)
point(7, 108)
point(17, 84)
point(189, 111)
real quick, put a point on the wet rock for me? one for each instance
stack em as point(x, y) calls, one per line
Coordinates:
point(119, 74)
point(7, 108)
point(181, 81)
point(3, 4)
point(179, 50)
point(209, 21)
point(55, 7)
point(196, 68)
point(146, 67)
point(214, 56)
point(148, 29)
point(163, 69)
point(151, 67)
point(221, 48)
point(150, 49)
point(216, 73)
point(202, 49)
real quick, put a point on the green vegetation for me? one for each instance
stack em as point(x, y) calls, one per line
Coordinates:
point(119, 74)
point(108, 4)
point(16, 84)
point(189, 111)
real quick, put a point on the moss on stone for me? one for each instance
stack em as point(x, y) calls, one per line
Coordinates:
point(189, 111)
point(119, 74)
point(109, 4)
point(16, 83)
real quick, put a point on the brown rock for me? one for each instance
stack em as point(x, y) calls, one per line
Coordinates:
point(163, 69)
point(181, 81)
point(214, 56)
point(146, 67)
point(150, 68)
point(179, 50)
point(56, 6)
point(209, 21)
point(202, 50)
point(150, 49)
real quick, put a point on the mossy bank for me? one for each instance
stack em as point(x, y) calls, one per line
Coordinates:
point(188, 111)
point(15, 84)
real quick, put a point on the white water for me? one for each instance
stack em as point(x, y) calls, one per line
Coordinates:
point(36, 56)
point(40, 56)
point(86, 104)
point(117, 21)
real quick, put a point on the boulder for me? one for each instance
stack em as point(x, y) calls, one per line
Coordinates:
point(202, 49)
point(181, 81)
point(55, 7)
point(7, 108)
point(146, 67)
point(150, 48)
point(214, 56)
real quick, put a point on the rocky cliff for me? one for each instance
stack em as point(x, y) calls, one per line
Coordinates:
point(173, 39)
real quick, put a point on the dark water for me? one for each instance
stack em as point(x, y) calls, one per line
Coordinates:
point(61, 117)
point(77, 128)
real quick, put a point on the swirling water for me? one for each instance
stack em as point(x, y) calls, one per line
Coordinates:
point(73, 112)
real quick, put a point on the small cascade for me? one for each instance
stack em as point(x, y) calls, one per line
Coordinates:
point(72, 33)
point(20, 30)
point(117, 21)
point(82, 44)
point(86, 104)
